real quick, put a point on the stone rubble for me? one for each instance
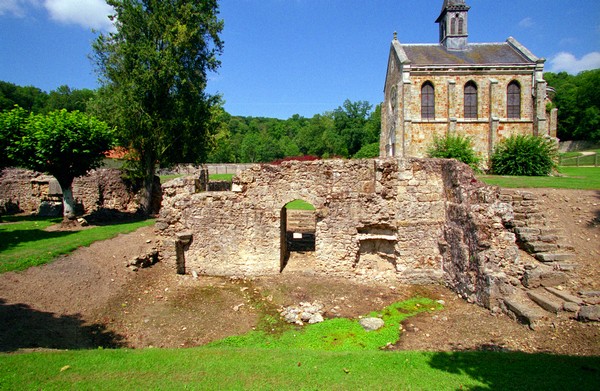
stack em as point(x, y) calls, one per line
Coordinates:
point(303, 313)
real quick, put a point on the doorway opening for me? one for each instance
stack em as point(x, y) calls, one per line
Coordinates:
point(298, 235)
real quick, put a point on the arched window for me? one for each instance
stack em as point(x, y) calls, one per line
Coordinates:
point(461, 26)
point(513, 100)
point(427, 101)
point(470, 100)
point(453, 26)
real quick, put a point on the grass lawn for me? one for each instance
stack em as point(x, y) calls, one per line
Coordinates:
point(584, 178)
point(299, 205)
point(283, 369)
point(221, 177)
point(25, 243)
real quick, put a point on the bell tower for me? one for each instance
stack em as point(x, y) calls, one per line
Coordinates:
point(454, 32)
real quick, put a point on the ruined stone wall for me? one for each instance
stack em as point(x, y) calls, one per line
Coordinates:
point(409, 220)
point(27, 191)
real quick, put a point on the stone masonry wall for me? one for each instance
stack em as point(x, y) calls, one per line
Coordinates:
point(410, 220)
point(26, 191)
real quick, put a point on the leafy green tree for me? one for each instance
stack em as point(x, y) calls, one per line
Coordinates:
point(63, 144)
point(367, 151)
point(350, 120)
point(154, 71)
point(70, 99)
point(12, 130)
point(524, 155)
point(578, 102)
point(29, 98)
point(454, 147)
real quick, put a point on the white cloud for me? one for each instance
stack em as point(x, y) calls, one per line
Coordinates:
point(567, 62)
point(526, 23)
point(15, 8)
point(86, 13)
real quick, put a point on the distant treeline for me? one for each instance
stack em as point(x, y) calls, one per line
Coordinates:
point(350, 131)
point(578, 102)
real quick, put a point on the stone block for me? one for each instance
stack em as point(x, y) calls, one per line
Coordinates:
point(554, 257)
point(565, 295)
point(589, 313)
point(546, 302)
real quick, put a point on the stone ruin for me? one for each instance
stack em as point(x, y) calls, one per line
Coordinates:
point(101, 191)
point(398, 220)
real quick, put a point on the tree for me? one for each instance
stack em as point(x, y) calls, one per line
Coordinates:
point(70, 99)
point(154, 72)
point(63, 144)
point(12, 129)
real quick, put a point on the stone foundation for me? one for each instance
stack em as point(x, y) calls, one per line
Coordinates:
point(409, 221)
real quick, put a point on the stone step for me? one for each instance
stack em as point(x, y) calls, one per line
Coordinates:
point(554, 257)
point(566, 296)
point(540, 247)
point(565, 266)
point(528, 231)
point(545, 277)
point(525, 311)
point(550, 304)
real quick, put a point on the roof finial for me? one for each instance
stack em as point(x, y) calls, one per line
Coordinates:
point(395, 36)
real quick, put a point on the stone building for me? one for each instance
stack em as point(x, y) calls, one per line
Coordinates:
point(485, 91)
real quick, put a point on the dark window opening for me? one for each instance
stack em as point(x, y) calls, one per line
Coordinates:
point(427, 101)
point(470, 100)
point(513, 100)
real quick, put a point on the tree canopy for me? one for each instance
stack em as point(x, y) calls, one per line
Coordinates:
point(578, 102)
point(61, 143)
point(154, 73)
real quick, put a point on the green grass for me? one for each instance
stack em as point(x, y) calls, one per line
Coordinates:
point(221, 177)
point(259, 369)
point(338, 334)
point(584, 178)
point(25, 243)
point(299, 205)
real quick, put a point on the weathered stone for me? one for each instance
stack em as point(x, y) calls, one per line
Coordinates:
point(371, 324)
point(441, 225)
point(523, 312)
point(590, 313)
point(571, 307)
point(545, 302)
point(565, 295)
point(554, 257)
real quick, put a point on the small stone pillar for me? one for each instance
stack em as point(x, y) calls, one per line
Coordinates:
point(183, 241)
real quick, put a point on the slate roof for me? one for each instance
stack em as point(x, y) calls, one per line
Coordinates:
point(476, 54)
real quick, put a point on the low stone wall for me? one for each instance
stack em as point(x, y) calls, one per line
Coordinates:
point(31, 192)
point(411, 221)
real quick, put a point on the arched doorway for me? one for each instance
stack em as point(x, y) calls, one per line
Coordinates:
point(298, 240)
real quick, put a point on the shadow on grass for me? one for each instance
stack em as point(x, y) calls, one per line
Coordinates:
point(22, 327)
point(11, 239)
point(521, 371)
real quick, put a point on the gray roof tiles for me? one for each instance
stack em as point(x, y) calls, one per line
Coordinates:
point(476, 54)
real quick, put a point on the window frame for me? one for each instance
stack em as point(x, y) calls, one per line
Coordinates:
point(513, 100)
point(471, 100)
point(427, 101)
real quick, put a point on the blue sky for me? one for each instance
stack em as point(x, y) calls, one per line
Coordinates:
point(285, 57)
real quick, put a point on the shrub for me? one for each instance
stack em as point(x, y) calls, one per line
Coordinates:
point(524, 155)
point(367, 151)
point(454, 147)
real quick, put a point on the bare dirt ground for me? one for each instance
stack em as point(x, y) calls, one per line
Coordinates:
point(91, 299)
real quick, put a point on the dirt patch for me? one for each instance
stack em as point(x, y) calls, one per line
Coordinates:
point(91, 299)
